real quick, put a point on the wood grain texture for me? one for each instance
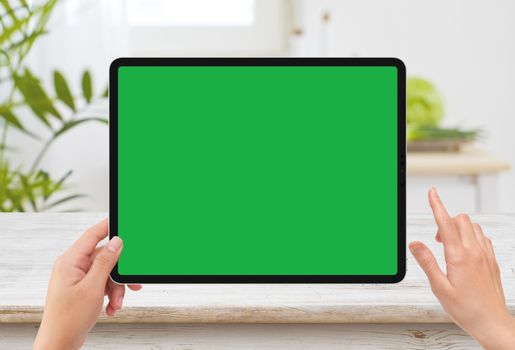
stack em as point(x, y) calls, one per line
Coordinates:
point(29, 243)
point(258, 337)
point(467, 162)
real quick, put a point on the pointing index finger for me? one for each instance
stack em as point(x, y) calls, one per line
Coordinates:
point(446, 227)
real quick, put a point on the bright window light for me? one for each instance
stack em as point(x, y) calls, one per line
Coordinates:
point(190, 13)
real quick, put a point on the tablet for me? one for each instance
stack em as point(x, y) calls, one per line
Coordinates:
point(258, 170)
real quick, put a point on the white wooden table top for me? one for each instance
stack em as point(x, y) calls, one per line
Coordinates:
point(466, 162)
point(29, 243)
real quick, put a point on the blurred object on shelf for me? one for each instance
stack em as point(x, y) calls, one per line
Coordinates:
point(432, 139)
point(424, 105)
point(424, 112)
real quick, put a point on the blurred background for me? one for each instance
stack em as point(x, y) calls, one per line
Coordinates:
point(459, 55)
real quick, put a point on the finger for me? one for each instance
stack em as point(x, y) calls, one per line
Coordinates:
point(87, 243)
point(104, 262)
point(95, 253)
point(445, 224)
point(466, 232)
point(490, 258)
point(480, 236)
point(115, 294)
point(135, 287)
point(110, 311)
point(438, 238)
point(490, 248)
point(426, 260)
point(495, 266)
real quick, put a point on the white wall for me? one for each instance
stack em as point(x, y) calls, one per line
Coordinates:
point(466, 47)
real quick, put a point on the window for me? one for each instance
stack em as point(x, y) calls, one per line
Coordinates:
point(206, 27)
point(196, 13)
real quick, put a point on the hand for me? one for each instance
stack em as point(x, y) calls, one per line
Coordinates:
point(471, 290)
point(79, 282)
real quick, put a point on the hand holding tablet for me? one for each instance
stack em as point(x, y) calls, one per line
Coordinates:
point(75, 296)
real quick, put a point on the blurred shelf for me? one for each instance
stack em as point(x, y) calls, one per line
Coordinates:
point(466, 162)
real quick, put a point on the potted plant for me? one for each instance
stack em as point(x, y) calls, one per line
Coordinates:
point(33, 188)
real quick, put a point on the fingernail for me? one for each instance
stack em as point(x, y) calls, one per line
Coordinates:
point(114, 244)
point(435, 192)
point(120, 302)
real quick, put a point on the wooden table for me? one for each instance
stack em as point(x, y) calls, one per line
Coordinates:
point(467, 180)
point(404, 315)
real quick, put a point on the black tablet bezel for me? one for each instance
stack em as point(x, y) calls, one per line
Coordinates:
point(401, 178)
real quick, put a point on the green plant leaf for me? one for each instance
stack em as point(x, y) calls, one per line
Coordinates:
point(38, 16)
point(34, 95)
point(436, 133)
point(29, 190)
point(13, 120)
point(26, 40)
point(59, 184)
point(15, 25)
point(9, 116)
point(63, 200)
point(63, 91)
point(68, 125)
point(25, 4)
point(40, 94)
point(14, 28)
point(87, 86)
point(105, 94)
point(46, 184)
point(23, 87)
point(9, 10)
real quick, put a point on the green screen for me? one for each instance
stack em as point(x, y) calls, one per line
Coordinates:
point(257, 170)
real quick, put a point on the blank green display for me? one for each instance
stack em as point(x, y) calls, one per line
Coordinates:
point(257, 170)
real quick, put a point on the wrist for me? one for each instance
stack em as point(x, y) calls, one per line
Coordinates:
point(54, 339)
point(501, 335)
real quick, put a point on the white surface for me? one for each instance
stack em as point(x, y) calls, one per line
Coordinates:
point(258, 337)
point(29, 244)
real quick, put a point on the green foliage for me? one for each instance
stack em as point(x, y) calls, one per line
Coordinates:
point(30, 191)
point(87, 89)
point(35, 96)
point(34, 189)
point(436, 133)
point(63, 91)
point(424, 112)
